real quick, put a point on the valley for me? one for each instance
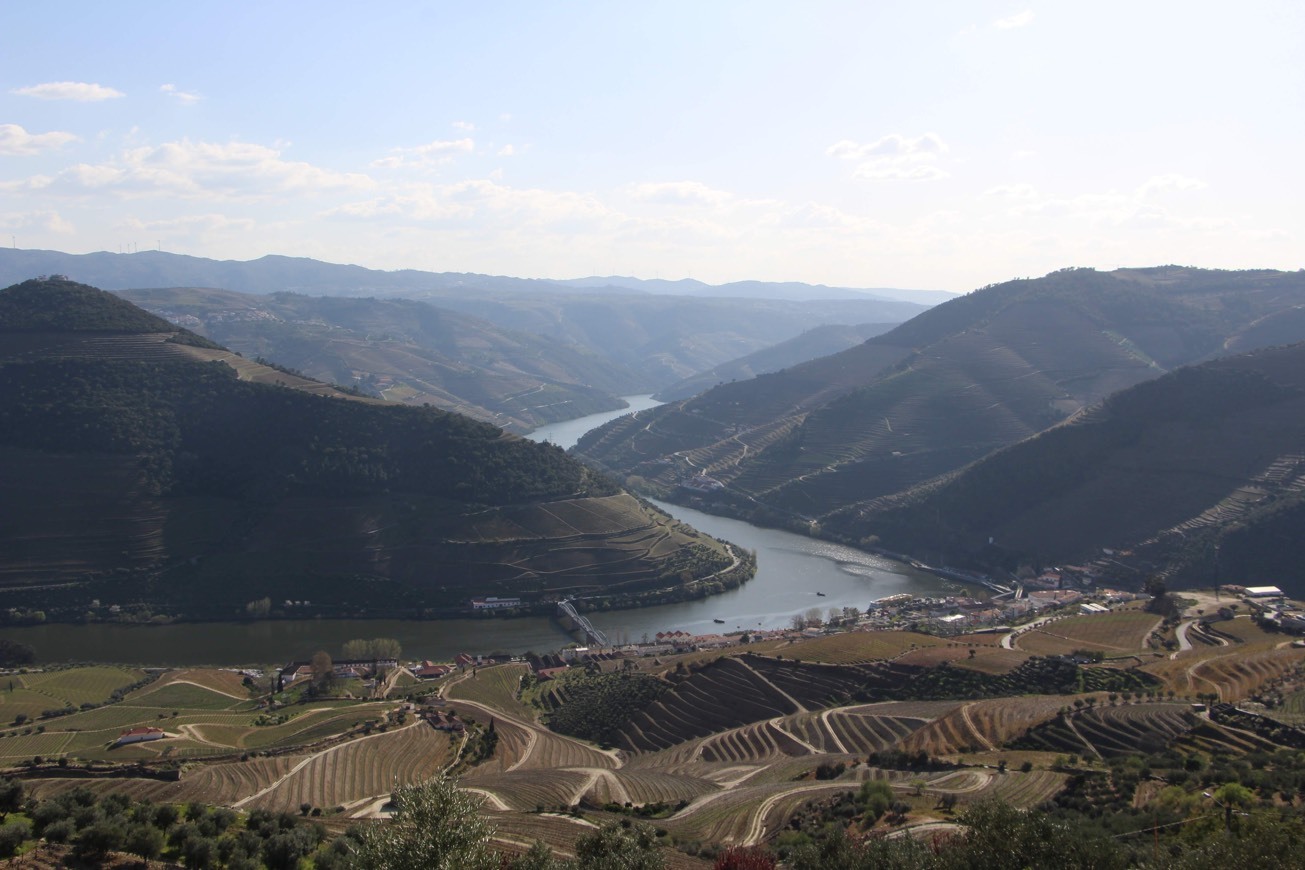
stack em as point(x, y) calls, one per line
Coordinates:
point(739, 747)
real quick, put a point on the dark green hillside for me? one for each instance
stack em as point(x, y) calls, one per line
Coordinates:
point(1202, 461)
point(202, 431)
point(152, 475)
point(59, 305)
point(836, 435)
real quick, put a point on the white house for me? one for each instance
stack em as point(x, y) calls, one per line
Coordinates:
point(140, 735)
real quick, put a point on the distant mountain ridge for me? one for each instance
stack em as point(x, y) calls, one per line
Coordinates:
point(407, 352)
point(151, 469)
point(271, 273)
point(835, 436)
point(664, 338)
point(794, 290)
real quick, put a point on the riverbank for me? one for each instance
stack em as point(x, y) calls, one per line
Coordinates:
point(794, 573)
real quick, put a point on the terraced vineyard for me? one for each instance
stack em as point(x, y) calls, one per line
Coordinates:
point(853, 730)
point(731, 749)
point(982, 724)
point(1110, 732)
point(362, 768)
point(721, 695)
point(1113, 634)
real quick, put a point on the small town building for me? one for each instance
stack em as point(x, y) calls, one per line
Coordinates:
point(140, 735)
point(1263, 592)
point(493, 602)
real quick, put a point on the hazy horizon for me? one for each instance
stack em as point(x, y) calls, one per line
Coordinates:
point(946, 147)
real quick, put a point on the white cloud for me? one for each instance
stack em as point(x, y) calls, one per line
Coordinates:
point(678, 193)
point(236, 170)
point(1170, 181)
point(1022, 19)
point(17, 142)
point(431, 154)
point(484, 203)
point(1112, 210)
point(507, 151)
point(824, 219)
point(82, 92)
point(37, 221)
point(892, 170)
point(1013, 191)
point(892, 145)
point(894, 157)
point(465, 126)
point(185, 97)
point(191, 224)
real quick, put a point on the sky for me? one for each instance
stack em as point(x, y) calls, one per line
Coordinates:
point(942, 145)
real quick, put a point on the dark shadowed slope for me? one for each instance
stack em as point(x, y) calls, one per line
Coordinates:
point(146, 471)
point(1200, 473)
point(940, 391)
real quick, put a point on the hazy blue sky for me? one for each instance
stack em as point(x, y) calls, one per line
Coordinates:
point(937, 145)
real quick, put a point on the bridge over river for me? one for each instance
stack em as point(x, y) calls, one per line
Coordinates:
point(573, 620)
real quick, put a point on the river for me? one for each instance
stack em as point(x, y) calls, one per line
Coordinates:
point(794, 574)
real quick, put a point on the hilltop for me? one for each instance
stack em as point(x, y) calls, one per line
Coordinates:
point(836, 435)
point(148, 470)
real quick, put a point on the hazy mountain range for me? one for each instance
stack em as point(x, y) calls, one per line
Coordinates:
point(518, 353)
point(832, 442)
point(303, 275)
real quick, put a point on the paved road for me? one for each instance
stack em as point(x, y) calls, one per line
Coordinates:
point(1008, 641)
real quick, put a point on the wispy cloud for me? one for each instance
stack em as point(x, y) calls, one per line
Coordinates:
point(192, 224)
point(678, 193)
point(235, 170)
point(1169, 181)
point(35, 221)
point(1022, 19)
point(483, 201)
point(186, 97)
point(894, 157)
point(82, 92)
point(1015, 192)
point(465, 126)
point(431, 154)
point(17, 142)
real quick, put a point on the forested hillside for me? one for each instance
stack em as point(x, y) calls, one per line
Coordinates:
point(148, 470)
